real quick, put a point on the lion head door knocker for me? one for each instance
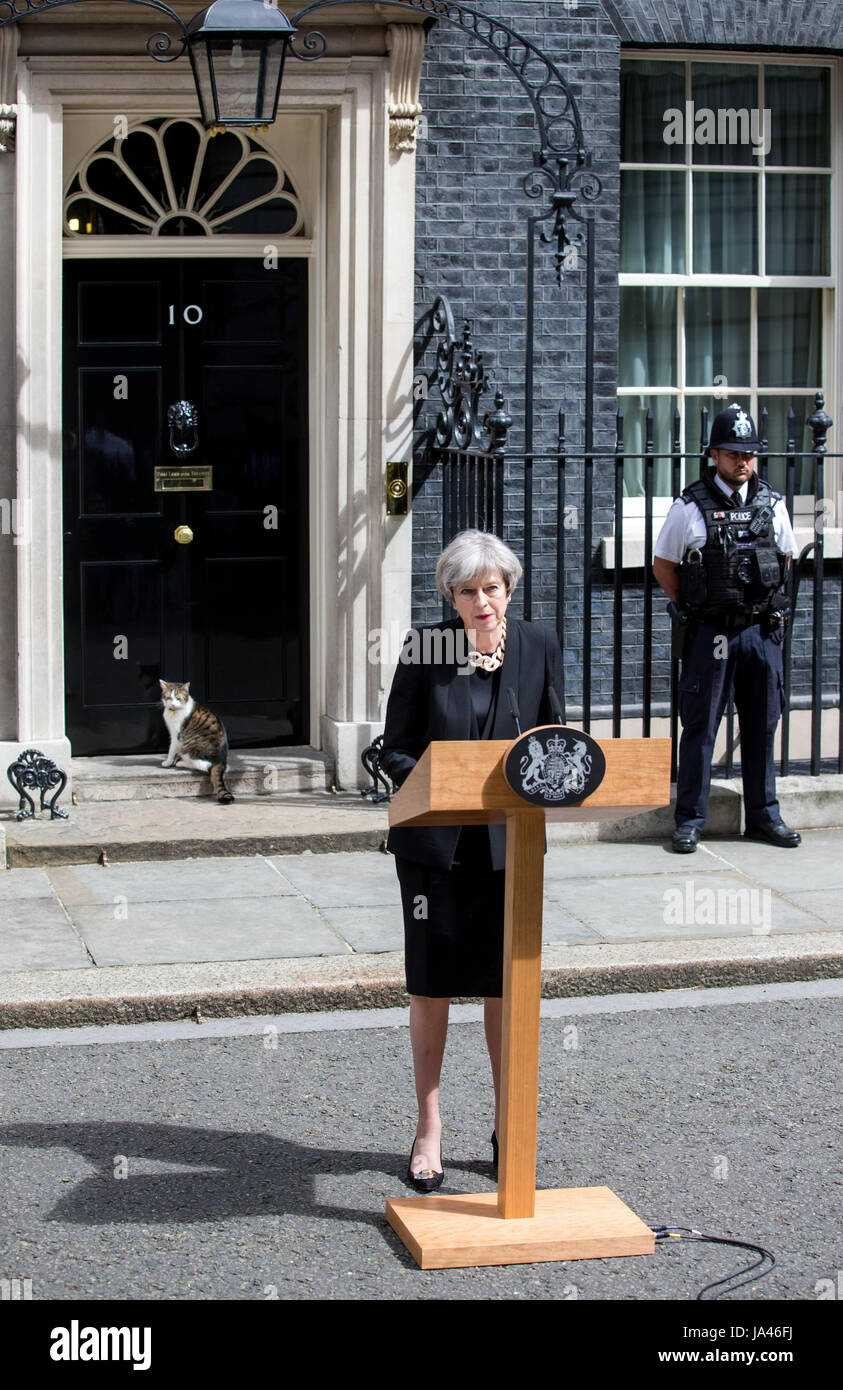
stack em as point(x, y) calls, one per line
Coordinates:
point(183, 419)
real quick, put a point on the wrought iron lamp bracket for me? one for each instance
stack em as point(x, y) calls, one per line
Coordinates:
point(157, 45)
point(560, 129)
point(315, 45)
point(556, 111)
point(559, 184)
point(562, 166)
point(557, 114)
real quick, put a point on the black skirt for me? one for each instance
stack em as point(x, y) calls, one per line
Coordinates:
point(453, 922)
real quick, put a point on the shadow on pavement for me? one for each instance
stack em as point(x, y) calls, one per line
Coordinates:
point(255, 1174)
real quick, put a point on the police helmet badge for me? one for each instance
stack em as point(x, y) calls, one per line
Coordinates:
point(554, 766)
point(734, 428)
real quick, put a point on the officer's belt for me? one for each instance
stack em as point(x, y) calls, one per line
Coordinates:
point(730, 623)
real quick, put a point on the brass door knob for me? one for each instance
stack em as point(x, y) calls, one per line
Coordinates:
point(183, 535)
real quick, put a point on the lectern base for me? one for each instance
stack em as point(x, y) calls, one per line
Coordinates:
point(571, 1223)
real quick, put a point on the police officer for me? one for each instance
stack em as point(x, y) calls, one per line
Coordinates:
point(723, 558)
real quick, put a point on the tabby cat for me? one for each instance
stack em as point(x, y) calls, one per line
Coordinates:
point(197, 736)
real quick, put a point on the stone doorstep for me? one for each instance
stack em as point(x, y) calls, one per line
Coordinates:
point(807, 803)
point(40, 857)
point(170, 828)
point(251, 771)
point(321, 823)
point(143, 994)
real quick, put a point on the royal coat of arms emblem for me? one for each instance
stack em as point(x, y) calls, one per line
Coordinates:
point(555, 765)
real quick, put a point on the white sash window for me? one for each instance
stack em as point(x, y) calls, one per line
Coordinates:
point(728, 257)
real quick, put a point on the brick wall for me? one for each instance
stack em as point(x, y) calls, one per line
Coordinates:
point(470, 245)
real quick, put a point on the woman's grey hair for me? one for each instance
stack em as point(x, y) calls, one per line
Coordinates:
point(471, 555)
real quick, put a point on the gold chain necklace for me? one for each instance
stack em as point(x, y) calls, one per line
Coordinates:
point(490, 661)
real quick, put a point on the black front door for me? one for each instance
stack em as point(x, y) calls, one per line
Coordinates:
point(224, 604)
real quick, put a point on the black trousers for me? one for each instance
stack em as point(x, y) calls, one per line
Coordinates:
point(453, 922)
point(754, 658)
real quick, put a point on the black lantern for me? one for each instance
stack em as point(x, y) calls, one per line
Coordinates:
point(237, 49)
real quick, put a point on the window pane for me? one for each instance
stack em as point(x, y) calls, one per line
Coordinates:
point(778, 430)
point(790, 338)
point(108, 180)
point(648, 336)
point(653, 223)
point(92, 219)
point(725, 96)
point(140, 152)
point(717, 336)
point(725, 224)
point(222, 156)
point(647, 90)
point(181, 142)
point(778, 426)
point(798, 224)
point(798, 99)
point(634, 410)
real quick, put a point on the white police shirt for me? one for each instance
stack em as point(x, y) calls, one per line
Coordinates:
point(684, 527)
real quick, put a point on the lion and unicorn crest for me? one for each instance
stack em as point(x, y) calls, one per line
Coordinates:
point(556, 771)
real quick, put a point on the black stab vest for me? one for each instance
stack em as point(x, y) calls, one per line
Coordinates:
point(736, 573)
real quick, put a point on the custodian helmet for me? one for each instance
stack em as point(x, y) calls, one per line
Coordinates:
point(734, 429)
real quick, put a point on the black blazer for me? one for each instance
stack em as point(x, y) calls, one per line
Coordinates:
point(432, 702)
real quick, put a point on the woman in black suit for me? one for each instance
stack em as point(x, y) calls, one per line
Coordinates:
point(452, 683)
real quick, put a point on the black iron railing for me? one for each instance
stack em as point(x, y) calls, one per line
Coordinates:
point(610, 612)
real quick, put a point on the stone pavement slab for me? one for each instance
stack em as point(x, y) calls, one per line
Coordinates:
point(559, 925)
point(154, 933)
point(824, 903)
point(26, 883)
point(36, 935)
point(367, 929)
point(241, 933)
point(816, 863)
point(342, 880)
point(605, 861)
point(171, 881)
point(636, 908)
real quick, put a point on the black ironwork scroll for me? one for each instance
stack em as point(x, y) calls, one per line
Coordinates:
point(468, 443)
point(371, 760)
point(157, 45)
point(36, 771)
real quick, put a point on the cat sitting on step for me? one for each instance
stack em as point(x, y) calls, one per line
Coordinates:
point(197, 736)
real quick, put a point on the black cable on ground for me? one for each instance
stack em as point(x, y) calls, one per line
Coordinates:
point(688, 1233)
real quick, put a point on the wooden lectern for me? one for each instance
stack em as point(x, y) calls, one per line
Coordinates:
point(464, 783)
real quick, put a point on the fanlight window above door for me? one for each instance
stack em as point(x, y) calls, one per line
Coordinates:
point(172, 178)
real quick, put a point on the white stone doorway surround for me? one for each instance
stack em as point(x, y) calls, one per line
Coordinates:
point(359, 224)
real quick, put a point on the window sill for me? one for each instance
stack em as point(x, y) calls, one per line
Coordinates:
point(633, 544)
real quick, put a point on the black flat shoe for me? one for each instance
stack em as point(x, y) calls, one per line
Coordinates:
point(495, 1150)
point(774, 833)
point(427, 1180)
point(685, 839)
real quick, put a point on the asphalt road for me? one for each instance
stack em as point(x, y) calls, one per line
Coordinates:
point(256, 1165)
